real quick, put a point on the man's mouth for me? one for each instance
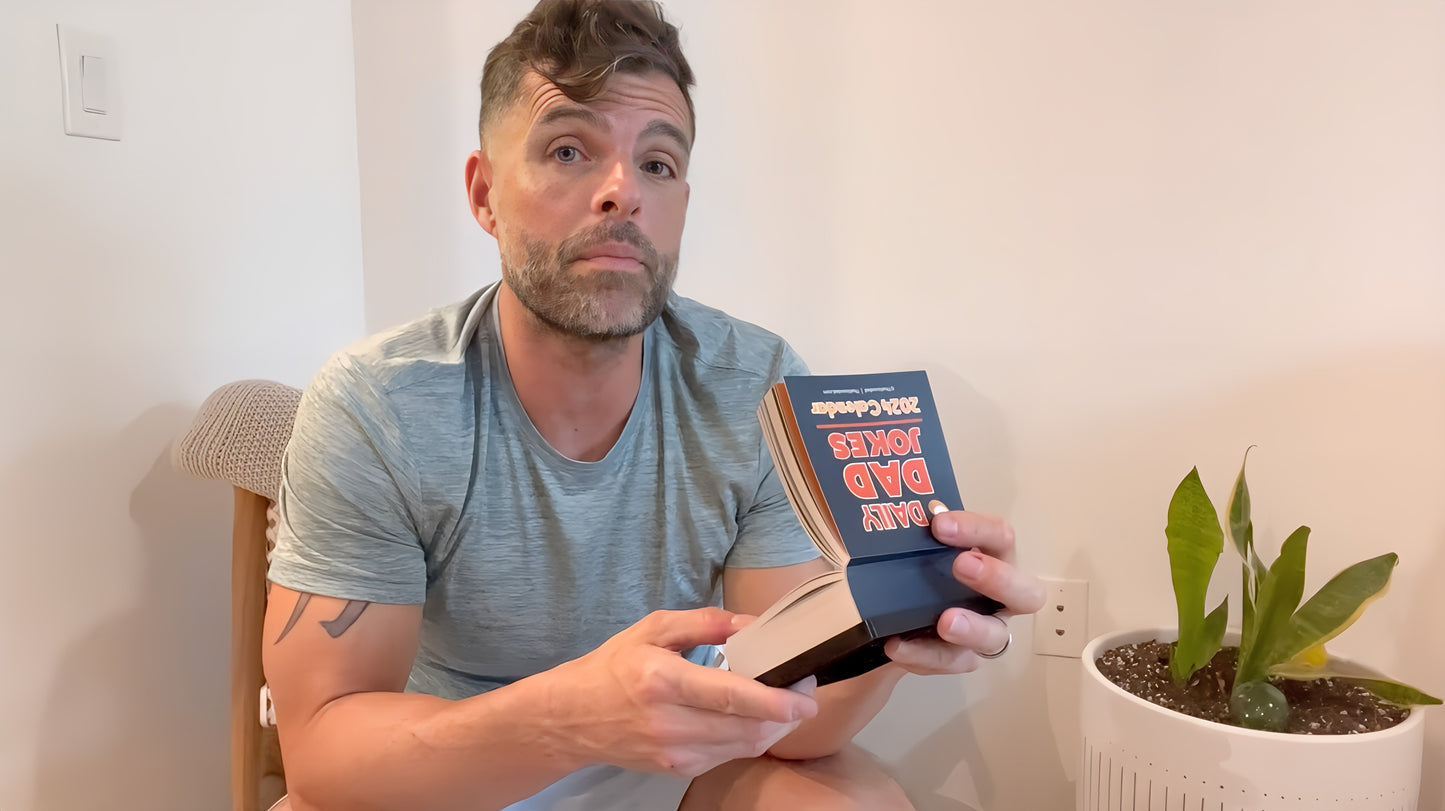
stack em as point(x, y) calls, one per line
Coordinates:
point(613, 256)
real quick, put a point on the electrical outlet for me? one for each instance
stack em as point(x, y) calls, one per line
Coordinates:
point(1061, 628)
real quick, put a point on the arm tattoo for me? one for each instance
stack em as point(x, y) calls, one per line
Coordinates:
point(335, 627)
point(302, 598)
point(348, 615)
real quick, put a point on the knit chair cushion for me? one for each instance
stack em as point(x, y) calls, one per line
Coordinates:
point(239, 435)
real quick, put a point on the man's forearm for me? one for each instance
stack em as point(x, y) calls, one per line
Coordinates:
point(844, 708)
point(405, 750)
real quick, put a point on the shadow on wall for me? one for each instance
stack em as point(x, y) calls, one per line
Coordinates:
point(978, 443)
point(138, 705)
point(959, 735)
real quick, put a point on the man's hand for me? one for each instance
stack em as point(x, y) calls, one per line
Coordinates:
point(988, 568)
point(635, 702)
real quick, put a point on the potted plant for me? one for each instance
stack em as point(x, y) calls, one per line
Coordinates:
point(1256, 718)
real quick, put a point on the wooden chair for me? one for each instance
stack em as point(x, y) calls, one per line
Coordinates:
point(238, 436)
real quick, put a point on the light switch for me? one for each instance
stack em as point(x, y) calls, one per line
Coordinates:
point(92, 84)
point(89, 84)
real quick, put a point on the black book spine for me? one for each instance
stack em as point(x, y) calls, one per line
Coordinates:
point(851, 653)
point(906, 595)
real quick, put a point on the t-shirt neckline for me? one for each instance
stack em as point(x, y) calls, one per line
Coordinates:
point(511, 405)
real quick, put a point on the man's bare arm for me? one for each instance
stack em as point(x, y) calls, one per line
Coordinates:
point(351, 739)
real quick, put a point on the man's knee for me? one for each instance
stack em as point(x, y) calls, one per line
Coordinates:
point(846, 781)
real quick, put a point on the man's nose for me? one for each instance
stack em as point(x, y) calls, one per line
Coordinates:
point(621, 191)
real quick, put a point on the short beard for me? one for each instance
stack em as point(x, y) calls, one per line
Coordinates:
point(601, 305)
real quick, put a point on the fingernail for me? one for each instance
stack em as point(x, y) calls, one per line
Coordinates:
point(958, 625)
point(968, 565)
point(806, 686)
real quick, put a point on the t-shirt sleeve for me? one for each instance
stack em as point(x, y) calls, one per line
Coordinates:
point(347, 527)
point(769, 532)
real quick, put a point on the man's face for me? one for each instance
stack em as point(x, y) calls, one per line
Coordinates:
point(587, 201)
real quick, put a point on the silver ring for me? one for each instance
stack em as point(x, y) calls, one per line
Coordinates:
point(1006, 642)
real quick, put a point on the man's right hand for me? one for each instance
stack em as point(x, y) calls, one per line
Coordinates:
point(635, 702)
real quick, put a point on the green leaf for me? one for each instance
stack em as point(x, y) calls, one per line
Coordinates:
point(1258, 569)
point(1247, 605)
point(1335, 606)
point(1395, 692)
point(1279, 595)
point(1199, 653)
point(1195, 542)
point(1214, 626)
point(1390, 690)
point(1240, 528)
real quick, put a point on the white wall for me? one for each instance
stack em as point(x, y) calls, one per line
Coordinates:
point(416, 109)
point(1125, 238)
point(220, 239)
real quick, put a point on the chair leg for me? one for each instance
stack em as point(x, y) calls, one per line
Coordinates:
point(248, 612)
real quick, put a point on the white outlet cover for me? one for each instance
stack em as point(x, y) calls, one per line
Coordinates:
point(76, 44)
point(1061, 626)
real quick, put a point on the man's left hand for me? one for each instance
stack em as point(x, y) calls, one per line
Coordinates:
point(965, 638)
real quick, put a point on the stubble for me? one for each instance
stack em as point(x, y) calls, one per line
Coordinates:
point(599, 305)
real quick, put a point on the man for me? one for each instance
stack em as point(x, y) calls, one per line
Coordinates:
point(506, 527)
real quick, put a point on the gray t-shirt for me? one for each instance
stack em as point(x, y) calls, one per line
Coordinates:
point(414, 476)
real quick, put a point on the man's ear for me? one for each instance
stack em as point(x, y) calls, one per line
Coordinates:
point(479, 190)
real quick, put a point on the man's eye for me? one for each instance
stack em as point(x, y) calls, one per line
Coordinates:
point(566, 154)
point(658, 168)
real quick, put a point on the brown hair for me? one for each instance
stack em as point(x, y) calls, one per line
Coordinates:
point(578, 45)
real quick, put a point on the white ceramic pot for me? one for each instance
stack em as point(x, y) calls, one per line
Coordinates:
point(1138, 756)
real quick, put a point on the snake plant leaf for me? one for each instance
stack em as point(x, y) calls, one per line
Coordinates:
point(1334, 607)
point(1185, 660)
point(1313, 656)
point(1240, 528)
point(1247, 603)
point(1279, 596)
point(1195, 542)
point(1390, 690)
point(1395, 692)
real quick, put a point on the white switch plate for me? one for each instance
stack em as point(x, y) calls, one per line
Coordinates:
point(1061, 628)
point(74, 45)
